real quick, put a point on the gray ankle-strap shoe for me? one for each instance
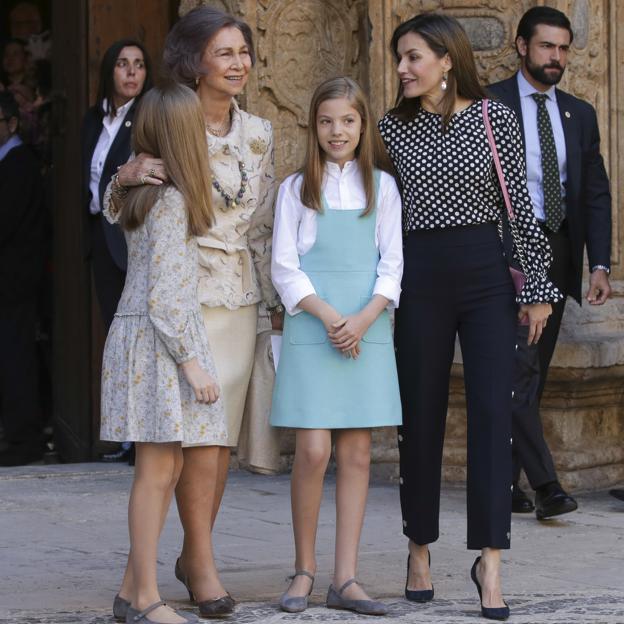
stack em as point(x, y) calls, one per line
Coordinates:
point(134, 616)
point(335, 600)
point(296, 604)
point(120, 608)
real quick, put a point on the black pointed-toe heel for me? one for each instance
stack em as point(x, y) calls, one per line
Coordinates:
point(417, 595)
point(490, 613)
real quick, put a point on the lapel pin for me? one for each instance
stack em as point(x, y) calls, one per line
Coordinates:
point(567, 114)
point(129, 123)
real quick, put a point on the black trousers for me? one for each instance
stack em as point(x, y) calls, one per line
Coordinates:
point(456, 282)
point(19, 376)
point(108, 277)
point(530, 450)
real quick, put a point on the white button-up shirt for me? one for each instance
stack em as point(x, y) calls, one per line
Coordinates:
point(110, 128)
point(531, 139)
point(294, 232)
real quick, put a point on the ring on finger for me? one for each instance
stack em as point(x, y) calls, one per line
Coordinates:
point(152, 173)
point(142, 179)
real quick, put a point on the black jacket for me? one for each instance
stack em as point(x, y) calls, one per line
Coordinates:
point(588, 198)
point(22, 218)
point(118, 154)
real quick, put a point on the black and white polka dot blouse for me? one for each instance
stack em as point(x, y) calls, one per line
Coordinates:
point(448, 180)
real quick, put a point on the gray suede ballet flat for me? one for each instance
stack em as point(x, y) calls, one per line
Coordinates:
point(120, 608)
point(134, 616)
point(335, 600)
point(296, 604)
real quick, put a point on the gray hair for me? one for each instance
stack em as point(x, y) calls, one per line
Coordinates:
point(187, 40)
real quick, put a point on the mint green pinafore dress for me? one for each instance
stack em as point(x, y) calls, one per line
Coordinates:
point(316, 387)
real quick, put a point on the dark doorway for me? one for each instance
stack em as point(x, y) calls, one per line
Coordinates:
point(82, 31)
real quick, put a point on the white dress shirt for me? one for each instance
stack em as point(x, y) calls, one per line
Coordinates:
point(531, 139)
point(110, 128)
point(294, 232)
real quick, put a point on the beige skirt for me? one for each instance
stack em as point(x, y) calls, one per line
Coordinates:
point(232, 339)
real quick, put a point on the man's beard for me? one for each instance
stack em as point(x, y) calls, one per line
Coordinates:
point(538, 72)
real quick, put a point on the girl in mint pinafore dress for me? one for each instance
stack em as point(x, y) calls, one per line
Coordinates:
point(337, 264)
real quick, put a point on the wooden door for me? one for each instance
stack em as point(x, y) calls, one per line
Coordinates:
point(82, 31)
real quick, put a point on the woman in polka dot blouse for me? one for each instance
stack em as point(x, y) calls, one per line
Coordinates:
point(456, 282)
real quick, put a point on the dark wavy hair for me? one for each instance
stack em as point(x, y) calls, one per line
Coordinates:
point(444, 35)
point(542, 15)
point(187, 40)
point(106, 87)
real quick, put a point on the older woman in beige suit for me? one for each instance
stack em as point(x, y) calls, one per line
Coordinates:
point(213, 53)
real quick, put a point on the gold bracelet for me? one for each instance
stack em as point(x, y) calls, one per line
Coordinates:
point(117, 188)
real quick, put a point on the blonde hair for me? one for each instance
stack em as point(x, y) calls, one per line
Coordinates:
point(370, 152)
point(170, 125)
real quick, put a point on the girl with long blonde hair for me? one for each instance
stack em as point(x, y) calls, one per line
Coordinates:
point(159, 385)
point(337, 265)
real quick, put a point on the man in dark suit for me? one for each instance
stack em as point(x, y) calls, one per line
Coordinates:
point(571, 199)
point(21, 262)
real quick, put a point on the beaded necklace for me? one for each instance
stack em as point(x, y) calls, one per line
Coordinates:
point(232, 201)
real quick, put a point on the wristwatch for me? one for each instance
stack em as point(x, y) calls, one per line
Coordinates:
point(276, 309)
point(604, 268)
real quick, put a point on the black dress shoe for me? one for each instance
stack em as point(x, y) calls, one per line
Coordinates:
point(122, 455)
point(618, 493)
point(18, 455)
point(551, 500)
point(520, 502)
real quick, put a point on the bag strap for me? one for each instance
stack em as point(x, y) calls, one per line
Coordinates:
point(509, 231)
point(497, 165)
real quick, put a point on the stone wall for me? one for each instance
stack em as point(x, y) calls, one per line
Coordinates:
point(301, 42)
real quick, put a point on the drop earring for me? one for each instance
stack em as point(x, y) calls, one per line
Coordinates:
point(444, 82)
point(197, 81)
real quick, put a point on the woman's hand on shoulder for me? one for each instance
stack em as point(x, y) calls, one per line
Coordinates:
point(537, 314)
point(206, 389)
point(144, 169)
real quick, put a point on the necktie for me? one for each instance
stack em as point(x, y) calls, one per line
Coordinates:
point(551, 182)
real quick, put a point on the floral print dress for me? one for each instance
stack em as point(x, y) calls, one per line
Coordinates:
point(158, 325)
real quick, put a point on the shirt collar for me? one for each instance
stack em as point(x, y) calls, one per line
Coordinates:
point(526, 89)
point(121, 111)
point(334, 171)
point(14, 141)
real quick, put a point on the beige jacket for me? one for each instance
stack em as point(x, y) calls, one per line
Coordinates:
point(235, 255)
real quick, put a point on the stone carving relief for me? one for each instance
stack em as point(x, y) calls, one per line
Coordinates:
point(299, 45)
point(235, 7)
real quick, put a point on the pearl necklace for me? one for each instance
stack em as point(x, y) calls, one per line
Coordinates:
point(232, 201)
